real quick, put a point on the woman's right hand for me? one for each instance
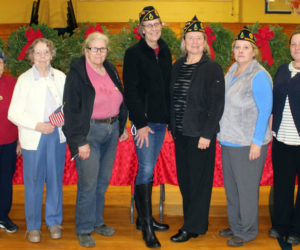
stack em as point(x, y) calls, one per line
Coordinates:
point(44, 128)
point(84, 151)
point(142, 136)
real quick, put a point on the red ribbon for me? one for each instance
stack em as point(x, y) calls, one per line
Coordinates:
point(210, 40)
point(31, 36)
point(93, 29)
point(135, 31)
point(263, 37)
point(295, 4)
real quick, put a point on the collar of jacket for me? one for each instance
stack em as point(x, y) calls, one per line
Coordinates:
point(78, 64)
point(248, 70)
point(161, 43)
point(205, 58)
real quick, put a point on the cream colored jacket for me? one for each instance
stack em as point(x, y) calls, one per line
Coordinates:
point(28, 102)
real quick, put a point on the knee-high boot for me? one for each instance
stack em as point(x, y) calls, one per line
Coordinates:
point(143, 203)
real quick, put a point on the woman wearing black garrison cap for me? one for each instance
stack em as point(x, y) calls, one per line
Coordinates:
point(146, 75)
point(197, 101)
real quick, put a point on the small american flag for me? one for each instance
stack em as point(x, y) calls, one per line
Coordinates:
point(57, 117)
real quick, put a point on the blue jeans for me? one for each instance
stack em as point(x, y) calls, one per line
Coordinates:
point(45, 163)
point(94, 174)
point(147, 156)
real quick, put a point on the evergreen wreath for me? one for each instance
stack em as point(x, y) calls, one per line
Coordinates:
point(16, 42)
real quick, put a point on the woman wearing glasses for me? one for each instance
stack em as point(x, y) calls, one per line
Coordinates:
point(37, 94)
point(146, 75)
point(95, 117)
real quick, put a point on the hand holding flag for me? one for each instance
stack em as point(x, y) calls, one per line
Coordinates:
point(57, 117)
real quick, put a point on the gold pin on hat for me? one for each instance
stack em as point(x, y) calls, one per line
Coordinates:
point(1, 97)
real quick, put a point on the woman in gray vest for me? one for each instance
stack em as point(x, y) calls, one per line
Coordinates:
point(286, 146)
point(197, 103)
point(244, 137)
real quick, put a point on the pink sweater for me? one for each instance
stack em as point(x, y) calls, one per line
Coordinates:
point(108, 97)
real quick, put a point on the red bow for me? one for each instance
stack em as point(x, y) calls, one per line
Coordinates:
point(31, 36)
point(210, 39)
point(135, 31)
point(263, 37)
point(93, 29)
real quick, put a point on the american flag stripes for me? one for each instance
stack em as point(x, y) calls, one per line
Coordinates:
point(57, 117)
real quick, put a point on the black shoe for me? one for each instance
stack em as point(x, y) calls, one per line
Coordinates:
point(156, 225)
point(274, 233)
point(293, 239)
point(9, 226)
point(183, 236)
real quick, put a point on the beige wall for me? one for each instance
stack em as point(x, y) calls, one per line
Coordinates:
point(53, 12)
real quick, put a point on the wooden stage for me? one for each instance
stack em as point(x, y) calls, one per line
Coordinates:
point(117, 215)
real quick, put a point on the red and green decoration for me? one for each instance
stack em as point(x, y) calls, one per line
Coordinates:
point(273, 44)
point(21, 39)
point(72, 45)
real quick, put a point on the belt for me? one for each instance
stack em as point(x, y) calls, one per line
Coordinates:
point(109, 120)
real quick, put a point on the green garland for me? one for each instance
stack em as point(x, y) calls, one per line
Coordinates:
point(70, 46)
point(127, 37)
point(16, 42)
point(2, 44)
point(222, 44)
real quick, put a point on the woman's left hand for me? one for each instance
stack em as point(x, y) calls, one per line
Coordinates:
point(255, 151)
point(124, 136)
point(203, 143)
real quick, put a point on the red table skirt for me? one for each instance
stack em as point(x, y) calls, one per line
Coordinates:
point(125, 166)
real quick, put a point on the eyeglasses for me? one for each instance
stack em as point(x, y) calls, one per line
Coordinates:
point(94, 50)
point(46, 53)
point(152, 25)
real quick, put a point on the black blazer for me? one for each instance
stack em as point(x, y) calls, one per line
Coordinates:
point(78, 99)
point(205, 100)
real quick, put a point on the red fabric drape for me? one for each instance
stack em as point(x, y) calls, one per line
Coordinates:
point(125, 166)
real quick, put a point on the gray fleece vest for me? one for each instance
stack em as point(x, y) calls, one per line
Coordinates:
point(240, 112)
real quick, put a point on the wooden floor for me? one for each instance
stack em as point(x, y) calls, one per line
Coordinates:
point(117, 215)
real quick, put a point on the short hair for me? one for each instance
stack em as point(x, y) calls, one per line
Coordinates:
point(92, 37)
point(255, 48)
point(296, 32)
point(49, 44)
point(140, 28)
point(206, 46)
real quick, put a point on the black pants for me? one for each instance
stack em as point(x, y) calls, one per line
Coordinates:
point(286, 165)
point(7, 169)
point(195, 170)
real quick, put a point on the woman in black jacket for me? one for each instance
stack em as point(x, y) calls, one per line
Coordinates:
point(95, 117)
point(146, 75)
point(197, 102)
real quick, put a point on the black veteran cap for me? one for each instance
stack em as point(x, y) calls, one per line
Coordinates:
point(193, 25)
point(148, 13)
point(245, 34)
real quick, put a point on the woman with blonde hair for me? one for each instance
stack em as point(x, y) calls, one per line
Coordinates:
point(197, 101)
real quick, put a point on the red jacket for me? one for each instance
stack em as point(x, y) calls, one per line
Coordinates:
point(8, 131)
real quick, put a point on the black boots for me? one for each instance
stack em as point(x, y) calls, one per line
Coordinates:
point(143, 203)
point(156, 225)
